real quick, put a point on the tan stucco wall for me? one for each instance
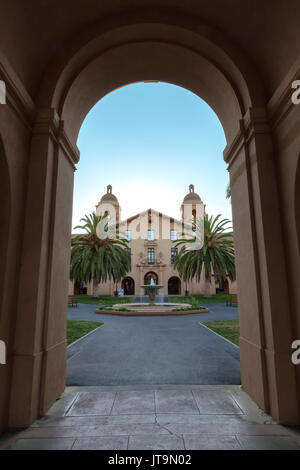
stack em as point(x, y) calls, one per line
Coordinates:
point(163, 267)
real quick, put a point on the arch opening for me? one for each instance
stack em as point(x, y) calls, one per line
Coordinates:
point(155, 47)
point(151, 275)
point(174, 286)
point(225, 83)
point(157, 62)
point(128, 285)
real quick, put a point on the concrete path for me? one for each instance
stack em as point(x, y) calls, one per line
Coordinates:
point(153, 350)
point(154, 418)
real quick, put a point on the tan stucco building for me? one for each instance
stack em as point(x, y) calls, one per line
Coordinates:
point(151, 235)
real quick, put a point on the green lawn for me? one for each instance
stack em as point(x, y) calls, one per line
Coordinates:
point(200, 299)
point(195, 300)
point(102, 299)
point(77, 329)
point(229, 329)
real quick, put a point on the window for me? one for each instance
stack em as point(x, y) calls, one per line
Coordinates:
point(150, 235)
point(149, 276)
point(128, 251)
point(174, 253)
point(173, 235)
point(128, 235)
point(151, 256)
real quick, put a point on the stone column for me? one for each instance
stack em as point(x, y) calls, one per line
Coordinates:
point(141, 290)
point(265, 319)
point(40, 340)
point(162, 281)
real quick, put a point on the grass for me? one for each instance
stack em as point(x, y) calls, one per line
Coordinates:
point(102, 300)
point(200, 299)
point(196, 301)
point(229, 329)
point(77, 329)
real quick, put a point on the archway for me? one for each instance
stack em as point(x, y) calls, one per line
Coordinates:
point(175, 50)
point(223, 286)
point(76, 288)
point(128, 286)
point(151, 275)
point(174, 286)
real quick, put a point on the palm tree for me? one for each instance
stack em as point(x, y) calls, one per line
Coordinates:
point(214, 256)
point(98, 259)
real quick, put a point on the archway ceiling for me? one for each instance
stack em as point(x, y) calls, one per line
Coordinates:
point(41, 28)
point(198, 58)
point(151, 61)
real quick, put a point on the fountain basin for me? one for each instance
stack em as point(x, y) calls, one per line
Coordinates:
point(143, 309)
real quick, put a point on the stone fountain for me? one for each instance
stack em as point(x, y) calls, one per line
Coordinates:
point(143, 307)
point(151, 290)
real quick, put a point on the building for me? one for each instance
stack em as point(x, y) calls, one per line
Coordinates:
point(151, 235)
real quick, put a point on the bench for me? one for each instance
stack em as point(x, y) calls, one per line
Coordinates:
point(232, 300)
point(72, 302)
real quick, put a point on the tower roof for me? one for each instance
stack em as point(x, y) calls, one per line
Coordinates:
point(109, 196)
point(191, 196)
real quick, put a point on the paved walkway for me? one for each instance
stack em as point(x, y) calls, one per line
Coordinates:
point(155, 418)
point(153, 350)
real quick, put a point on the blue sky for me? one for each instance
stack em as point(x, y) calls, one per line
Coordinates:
point(150, 141)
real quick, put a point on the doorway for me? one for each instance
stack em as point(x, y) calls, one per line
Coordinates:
point(128, 286)
point(174, 286)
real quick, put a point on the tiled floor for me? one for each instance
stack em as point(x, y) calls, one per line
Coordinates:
point(162, 417)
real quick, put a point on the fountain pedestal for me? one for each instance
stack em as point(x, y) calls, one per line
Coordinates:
point(151, 290)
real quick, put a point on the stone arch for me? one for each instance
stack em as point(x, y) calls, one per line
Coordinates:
point(155, 48)
point(187, 52)
point(151, 275)
point(150, 46)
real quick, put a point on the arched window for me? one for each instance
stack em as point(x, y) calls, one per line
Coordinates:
point(149, 276)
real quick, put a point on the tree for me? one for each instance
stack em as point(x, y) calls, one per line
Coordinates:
point(98, 259)
point(228, 191)
point(216, 256)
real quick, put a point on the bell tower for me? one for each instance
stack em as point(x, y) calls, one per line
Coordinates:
point(192, 207)
point(109, 205)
